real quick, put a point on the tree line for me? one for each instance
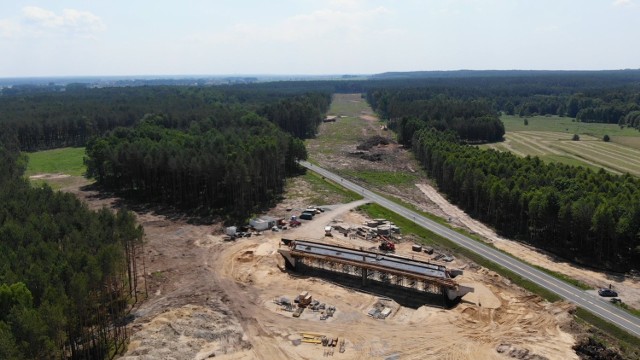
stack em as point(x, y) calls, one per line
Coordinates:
point(224, 165)
point(586, 216)
point(602, 97)
point(44, 120)
point(57, 116)
point(410, 110)
point(300, 115)
point(68, 275)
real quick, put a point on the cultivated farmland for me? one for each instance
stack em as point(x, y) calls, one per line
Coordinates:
point(550, 138)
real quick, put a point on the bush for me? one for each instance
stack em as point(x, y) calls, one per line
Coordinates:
point(575, 137)
point(606, 138)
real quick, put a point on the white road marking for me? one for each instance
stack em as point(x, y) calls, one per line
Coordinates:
point(567, 291)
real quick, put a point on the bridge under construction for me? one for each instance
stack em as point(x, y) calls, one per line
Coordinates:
point(374, 269)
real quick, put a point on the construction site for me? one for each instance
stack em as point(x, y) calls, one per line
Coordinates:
point(410, 282)
point(212, 296)
point(342, 296)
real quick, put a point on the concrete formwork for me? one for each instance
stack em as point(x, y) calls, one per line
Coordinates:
point(373, 270)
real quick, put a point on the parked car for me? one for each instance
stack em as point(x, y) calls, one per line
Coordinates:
point(607, 293)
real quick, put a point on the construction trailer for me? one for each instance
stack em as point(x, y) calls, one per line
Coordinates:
point(263, 223)
point(373, 268)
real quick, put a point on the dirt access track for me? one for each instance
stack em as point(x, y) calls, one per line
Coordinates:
point(208, 298)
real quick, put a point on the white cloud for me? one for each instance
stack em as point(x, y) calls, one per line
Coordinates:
point(347, 3)
point(80, 23)
point(8, 28)
point(319, 24)
point(623, 3)
point(341, 37)
point(38, 22)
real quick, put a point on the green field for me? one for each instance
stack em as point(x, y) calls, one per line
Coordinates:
point(550, 139)
point(57, 161)
point(348, 105)
point(564, 125)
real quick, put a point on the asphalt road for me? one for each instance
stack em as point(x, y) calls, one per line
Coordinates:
point(593, 303)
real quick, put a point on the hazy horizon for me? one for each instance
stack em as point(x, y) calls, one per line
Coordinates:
point(75, 38)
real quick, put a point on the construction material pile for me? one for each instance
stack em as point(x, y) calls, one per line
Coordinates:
point(304, 301)
point(379, 311)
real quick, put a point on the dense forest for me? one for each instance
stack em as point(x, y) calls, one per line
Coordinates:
point(413, 109)
point(605, 97)
point(234, 163)
point(50, 117)
point(46, 120)
point(67, 274)
point(591, 217)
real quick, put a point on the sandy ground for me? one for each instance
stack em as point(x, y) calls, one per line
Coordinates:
point(48, 176)
point(496, 317)
point(627, 287)
point(210, 298)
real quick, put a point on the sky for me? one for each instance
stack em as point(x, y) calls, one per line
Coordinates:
point(313, 37)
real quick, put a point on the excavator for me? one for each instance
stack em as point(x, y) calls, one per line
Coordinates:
point(387, 246)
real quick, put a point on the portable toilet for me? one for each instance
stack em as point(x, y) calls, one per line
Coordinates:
point(231, 231)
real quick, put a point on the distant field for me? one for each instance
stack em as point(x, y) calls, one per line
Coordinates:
point(565, 125)
point(347, 104)
point(57, 161)
point(346, 130)
point(550, 139)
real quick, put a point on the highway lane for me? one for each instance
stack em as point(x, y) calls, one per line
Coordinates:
point(587, 301)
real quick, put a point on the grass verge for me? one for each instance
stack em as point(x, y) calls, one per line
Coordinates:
point(382, 178)
point(577, 283)
point(630, 344)
point(627, 341)
point(428, 237)
point(628, 308)
point(321, 185)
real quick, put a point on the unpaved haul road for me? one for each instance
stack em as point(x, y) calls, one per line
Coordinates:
point(592, 303)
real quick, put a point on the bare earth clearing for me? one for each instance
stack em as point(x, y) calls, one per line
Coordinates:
point(211, 298)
